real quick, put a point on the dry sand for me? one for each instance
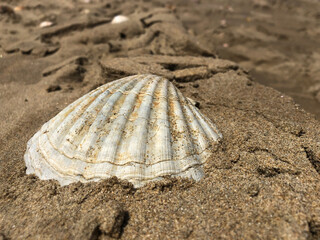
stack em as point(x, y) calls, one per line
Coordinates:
point(262, 182)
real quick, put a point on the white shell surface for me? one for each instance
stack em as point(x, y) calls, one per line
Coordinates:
point(139, 128)
point(45, 24)
point(119, 19)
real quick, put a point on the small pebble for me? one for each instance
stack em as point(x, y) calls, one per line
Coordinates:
point(230, 9)
point(86, 11)
point(18, 8)
point(223, 23)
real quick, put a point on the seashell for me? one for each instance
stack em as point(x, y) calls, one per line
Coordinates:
point(119, 19)
point(139, 128)
point(45, 24)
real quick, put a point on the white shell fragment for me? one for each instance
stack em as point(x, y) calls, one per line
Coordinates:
point(139, 128)
point(119, 19)
point(45, 24)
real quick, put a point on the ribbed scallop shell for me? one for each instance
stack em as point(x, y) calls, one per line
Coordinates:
point(138, 128)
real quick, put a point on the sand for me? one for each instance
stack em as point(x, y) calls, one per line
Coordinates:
point(262, 182)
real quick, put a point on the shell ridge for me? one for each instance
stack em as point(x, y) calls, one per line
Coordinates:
point(169, 141)
point(198, 134)
point(93, 135)
point(184, 143)
point(79, 125)
point(87, 118)
point(213, 126)
point(110, 142)
point(199, 139)
point(62, 152)
point(110, 84)
point(50, 171)
point(211, 134)
point(161, 175)
point(164, 160)
point(135, 147)
point(73, 160)
point(45, 148)
point(57, 135)
point(188, 147)
point(62, 169)
point(76, 106)
point(73, 105)
point(161, 141)
point(33, 145)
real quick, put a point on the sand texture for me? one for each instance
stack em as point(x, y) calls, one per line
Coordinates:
point(262, 182)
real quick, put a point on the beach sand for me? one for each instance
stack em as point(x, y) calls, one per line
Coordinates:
point(262, 181)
